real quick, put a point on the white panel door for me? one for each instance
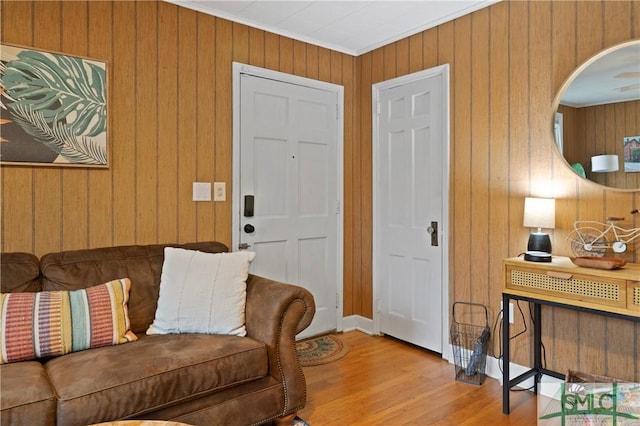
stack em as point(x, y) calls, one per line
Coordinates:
point(288, 163)
point(409, 201)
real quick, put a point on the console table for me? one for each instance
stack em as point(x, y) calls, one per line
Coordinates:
point(560, 283)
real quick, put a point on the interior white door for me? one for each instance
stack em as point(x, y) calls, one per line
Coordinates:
point(408, 208)
point(289, 188)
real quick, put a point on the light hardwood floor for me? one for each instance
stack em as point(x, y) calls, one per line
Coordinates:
point(382, 381)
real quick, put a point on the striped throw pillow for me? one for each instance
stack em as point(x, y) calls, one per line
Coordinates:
point(53, 323)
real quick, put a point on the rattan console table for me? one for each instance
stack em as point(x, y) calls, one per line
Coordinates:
point(560, 283)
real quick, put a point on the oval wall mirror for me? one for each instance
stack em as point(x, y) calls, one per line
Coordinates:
point(596, 120)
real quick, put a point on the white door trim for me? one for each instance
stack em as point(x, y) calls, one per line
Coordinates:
point(238, 70)
point(443, 71)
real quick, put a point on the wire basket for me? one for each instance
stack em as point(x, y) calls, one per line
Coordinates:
point(470, 341)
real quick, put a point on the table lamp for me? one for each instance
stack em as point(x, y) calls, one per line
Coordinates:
point(604, 163)
point(539, 213)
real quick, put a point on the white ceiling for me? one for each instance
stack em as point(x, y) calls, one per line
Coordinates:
point(608, 78)
point(352, 27)
point(356, 27)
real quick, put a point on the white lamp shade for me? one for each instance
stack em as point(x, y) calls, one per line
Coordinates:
point(604, 163)
point(539, 213)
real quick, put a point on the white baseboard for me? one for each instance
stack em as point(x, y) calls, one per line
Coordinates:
point(357, 322)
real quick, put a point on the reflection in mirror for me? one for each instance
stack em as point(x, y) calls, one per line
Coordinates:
point(598, 113)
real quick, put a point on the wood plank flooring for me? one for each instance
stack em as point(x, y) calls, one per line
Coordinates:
point(382, 381)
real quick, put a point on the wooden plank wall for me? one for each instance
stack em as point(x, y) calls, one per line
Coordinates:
point(170, 124)
point(600, 130)
point(507, 62)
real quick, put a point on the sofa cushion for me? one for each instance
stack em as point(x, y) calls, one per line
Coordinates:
point(54, 323)
point(102, 384)
point(76, 269)
point(19, 272)
point(27, 396)
point(202, 292)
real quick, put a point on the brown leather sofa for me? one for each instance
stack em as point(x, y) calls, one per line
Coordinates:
point(190, 378)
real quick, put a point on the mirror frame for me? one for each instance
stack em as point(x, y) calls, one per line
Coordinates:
point(558, 97)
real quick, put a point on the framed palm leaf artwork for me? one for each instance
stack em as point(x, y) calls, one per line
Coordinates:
point(53, 109)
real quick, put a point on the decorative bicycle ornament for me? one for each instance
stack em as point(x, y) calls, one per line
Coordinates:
point(593, 238)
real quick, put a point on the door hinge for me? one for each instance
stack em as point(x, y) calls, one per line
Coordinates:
point(337, 300)
point(337, 112)
point(337, 206)
point(378, 108)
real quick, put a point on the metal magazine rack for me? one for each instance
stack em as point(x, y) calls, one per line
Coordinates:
point(470, 334)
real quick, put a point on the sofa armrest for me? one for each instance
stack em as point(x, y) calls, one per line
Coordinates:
point(275, 313)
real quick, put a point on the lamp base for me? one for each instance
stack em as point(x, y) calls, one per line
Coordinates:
point(539, 241)
point(537, 256)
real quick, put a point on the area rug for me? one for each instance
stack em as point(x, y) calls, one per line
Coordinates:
point(320, 350)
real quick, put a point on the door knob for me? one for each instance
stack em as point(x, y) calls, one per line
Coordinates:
point(248, 228)
point(433, 230)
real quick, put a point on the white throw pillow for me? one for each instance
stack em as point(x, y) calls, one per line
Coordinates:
point(202, 292)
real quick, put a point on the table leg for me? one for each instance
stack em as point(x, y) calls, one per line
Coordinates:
point(537, 344)
point(505, 354)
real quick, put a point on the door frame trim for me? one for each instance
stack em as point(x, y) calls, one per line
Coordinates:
point(239, 69)
point(443, 71)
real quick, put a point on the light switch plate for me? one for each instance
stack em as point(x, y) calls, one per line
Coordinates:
point(219, 191)
point(201, 191)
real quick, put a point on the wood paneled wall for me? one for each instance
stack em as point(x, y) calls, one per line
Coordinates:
point(599, 130)
point(170, 124)
point(170, 118)
point(507, 62)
